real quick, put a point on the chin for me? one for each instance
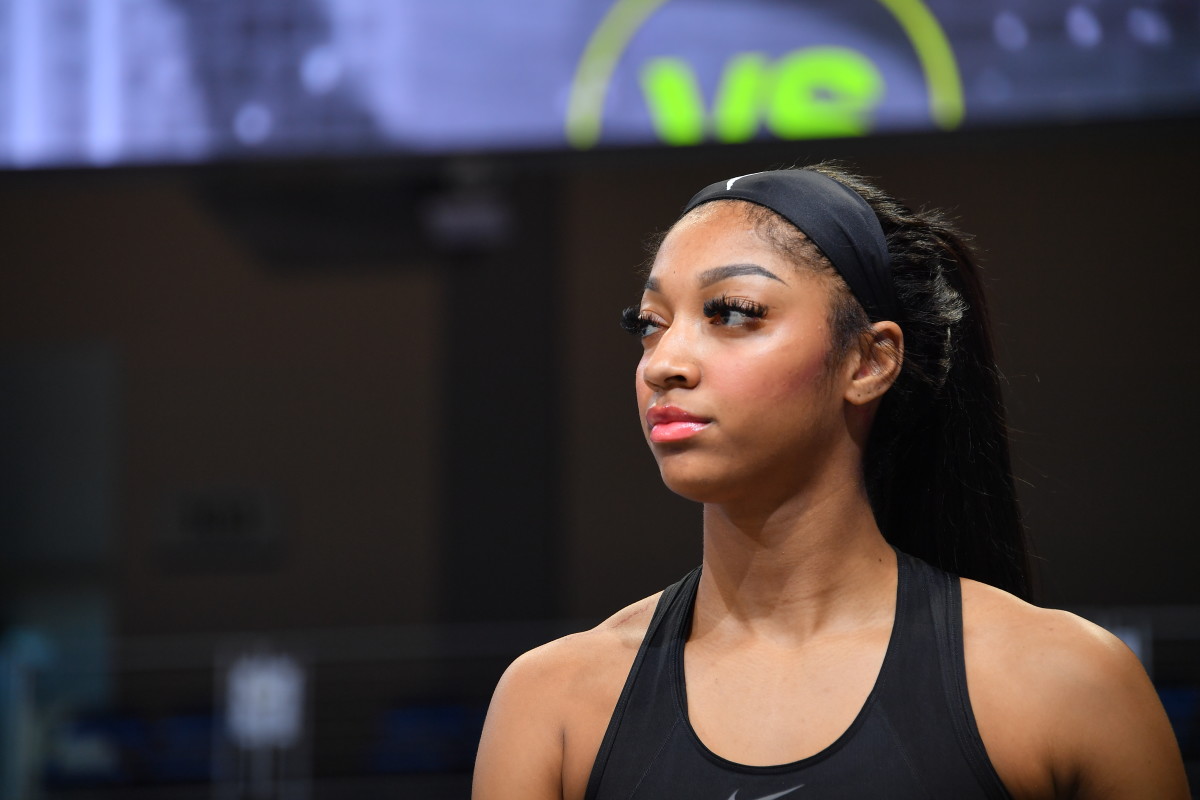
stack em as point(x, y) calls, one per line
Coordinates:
point(700, 486)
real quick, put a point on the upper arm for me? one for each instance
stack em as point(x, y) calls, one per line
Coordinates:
point(521, 751)
point(1116, 738)
point(1065, 709)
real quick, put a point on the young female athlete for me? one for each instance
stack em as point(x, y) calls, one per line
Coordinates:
point(817, 372)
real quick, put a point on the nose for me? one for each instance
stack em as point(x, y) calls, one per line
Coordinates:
point(671, 362)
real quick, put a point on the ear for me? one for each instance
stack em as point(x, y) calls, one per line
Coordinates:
point(880, 357)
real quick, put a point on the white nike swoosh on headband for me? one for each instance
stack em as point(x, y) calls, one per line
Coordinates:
point(729, 185)
point(770, 796)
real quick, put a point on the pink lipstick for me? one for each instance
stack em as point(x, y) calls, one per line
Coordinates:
point(671, 424)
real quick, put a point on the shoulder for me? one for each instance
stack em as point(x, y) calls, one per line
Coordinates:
point(571, 663)
point(1061, 702)
point(579, 668)
point(1050, 651)
point(1051, 645)
point(552, 706)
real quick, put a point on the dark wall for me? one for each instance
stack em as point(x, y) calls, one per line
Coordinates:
point(236, 378)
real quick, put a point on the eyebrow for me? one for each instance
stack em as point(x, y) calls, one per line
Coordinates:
point(718, 274)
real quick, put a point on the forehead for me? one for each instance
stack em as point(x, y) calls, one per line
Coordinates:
point(716, 234)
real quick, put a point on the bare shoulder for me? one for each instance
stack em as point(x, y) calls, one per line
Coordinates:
point(575, 661)
point(1065, 709)
point(1050, 645)
point(552, 706)
point(621, 632)
point(1042, 665)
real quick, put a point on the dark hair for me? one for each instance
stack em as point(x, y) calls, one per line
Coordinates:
point(937, 464)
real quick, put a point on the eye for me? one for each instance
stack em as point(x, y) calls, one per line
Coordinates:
point(734, 311)
point(638, 323)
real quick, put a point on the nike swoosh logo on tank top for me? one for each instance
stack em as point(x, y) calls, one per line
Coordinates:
point(770, 796)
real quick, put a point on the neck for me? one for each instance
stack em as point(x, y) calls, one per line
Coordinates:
point(793, 569)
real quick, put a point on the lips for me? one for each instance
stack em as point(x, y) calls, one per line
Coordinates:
point(672, 424)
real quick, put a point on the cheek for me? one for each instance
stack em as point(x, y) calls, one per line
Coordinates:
point(810, 376)
point(778, 376)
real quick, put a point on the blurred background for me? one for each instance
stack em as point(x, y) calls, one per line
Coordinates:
point(314, 411)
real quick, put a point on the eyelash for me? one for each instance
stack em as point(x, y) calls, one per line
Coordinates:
point(637, 323)
point(724, 305)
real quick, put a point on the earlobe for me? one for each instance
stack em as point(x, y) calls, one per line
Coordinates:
point(880, 358)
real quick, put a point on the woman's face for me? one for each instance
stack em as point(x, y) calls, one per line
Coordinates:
point(735, 391)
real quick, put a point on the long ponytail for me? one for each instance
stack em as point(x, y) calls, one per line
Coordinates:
point(937, 466)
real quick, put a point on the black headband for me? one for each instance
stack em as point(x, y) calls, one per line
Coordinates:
point(835, 218)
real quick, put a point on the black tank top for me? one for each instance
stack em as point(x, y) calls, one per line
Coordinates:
point(915, 737)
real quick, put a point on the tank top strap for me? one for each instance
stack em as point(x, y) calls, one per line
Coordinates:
point(930, 709)
point(656, 718)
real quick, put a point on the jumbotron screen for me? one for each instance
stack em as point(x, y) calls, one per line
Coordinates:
point(113, 82)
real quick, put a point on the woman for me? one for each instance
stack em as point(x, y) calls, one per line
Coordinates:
point(817, 372)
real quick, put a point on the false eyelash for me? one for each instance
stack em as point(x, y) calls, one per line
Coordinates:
point(634, 322)
point(723, 305)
